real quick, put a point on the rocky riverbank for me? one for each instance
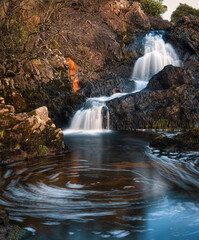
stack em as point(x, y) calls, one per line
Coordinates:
point(187, 141)
point(26, 135)
point(8, 231)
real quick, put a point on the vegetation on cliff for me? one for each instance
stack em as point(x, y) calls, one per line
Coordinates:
point(153, 7)
point(184, 10)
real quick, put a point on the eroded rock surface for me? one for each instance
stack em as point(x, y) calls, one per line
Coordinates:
point(184, 35)
point(187, 141)
point(171, 102)
point(27, 135)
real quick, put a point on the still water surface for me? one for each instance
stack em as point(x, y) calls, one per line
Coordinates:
point(111, 186)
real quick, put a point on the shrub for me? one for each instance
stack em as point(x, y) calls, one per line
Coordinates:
point(184, 10)
point(153, 7)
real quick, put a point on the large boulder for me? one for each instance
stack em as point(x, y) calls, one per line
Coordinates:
point(27, 135)
point(8, 231)
point(169, 77)
point(187, 141)
point(160, 106)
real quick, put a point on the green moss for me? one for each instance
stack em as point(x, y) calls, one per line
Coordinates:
point(42, 150)
point(15, 233)
point(161, 124)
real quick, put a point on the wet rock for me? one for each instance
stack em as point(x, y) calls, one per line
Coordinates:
point(169, 77)
point(187, 141)
point(8, 231)
point(27, 135)
point(3, 217)
point(161, 105)
point(109, 86)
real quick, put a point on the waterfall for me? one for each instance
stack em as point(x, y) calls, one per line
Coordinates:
point(90, 116)
point(157, 54)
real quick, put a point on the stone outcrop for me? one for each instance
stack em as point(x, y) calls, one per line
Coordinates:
point(170, 77)
point(187, 141)
point(184, 35)
point(122, 16)
point(160, 106)
point(8, 231)
point(27, 135)
point(157, 23)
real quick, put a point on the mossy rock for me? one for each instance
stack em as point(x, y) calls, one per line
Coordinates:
point(15, 233)
point(42, 151)
point(187, 141)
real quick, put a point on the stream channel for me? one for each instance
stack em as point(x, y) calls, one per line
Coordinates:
point(111, 186)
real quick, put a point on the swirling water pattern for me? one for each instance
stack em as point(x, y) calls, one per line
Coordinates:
point(111, 186)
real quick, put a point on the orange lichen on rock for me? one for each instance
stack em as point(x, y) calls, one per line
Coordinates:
point(73, 74)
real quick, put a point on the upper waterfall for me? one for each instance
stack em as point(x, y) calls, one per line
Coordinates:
point(157, 54)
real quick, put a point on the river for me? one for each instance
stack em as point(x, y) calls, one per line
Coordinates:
point(111, 186)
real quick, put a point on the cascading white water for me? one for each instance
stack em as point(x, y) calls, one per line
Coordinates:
point(90, 116)
point(157, 55)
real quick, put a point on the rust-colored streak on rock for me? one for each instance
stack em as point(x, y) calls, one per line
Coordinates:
point(73, 74)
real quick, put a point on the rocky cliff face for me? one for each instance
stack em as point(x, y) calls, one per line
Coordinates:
point(184, 35)
point(97, 36)
point(171, 100)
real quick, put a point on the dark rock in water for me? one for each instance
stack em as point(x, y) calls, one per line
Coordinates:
point(27, 135)
point(188, 141)
point(169, 77)
point(165, 144)
point(8, 231)
point(157, 23)
point(3, 217)
point(160, 106)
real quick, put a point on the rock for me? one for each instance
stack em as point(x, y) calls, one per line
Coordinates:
point(191, 64)
point(3, 217)
point(185, 35)
point(137, 18)
point(159, 106)
point(8, 231)
point(106, 87)
point(157, 23)
point(27, 135)
point(124, 16)
point(169, 77)
point(187, 141)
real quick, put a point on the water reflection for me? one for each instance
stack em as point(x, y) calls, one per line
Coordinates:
point(110, 186)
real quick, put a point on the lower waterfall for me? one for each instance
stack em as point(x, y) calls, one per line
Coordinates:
point(94, 115)
point(91, 116)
